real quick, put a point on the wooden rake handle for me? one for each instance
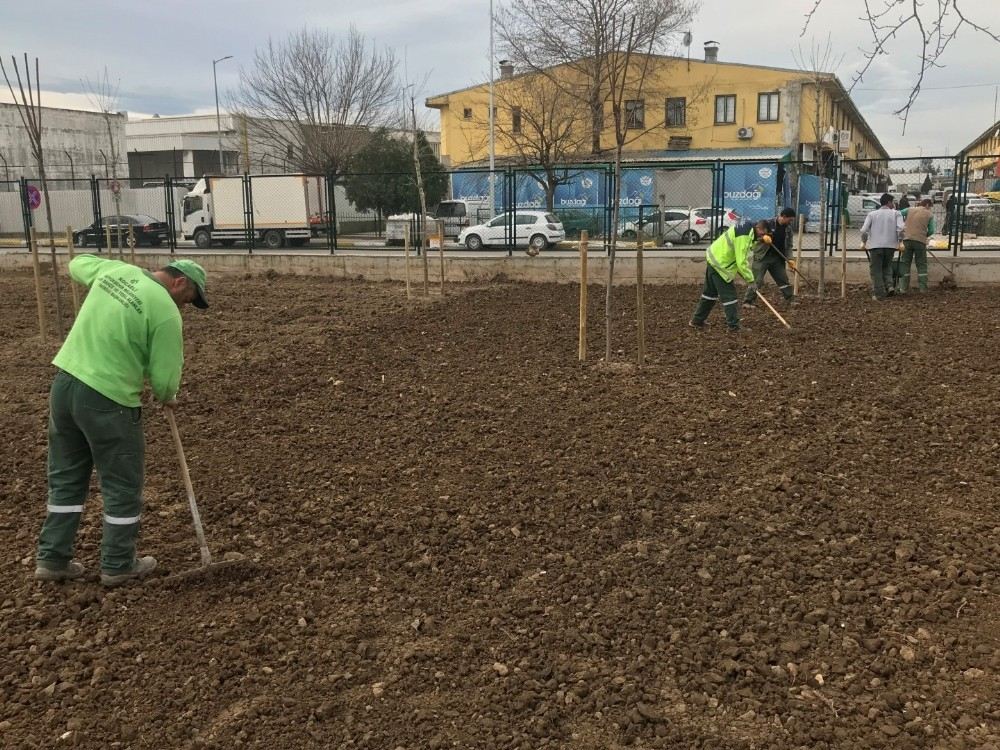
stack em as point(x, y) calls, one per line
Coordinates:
point(206, 557)
point(771, 308)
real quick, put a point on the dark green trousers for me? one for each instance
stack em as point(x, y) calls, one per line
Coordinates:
point(880, 267)
point(88, 430)
point(769, 264)
point(717, 289)
point(913, 253)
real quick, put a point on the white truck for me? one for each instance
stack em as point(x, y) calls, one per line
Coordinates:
point(215, 210)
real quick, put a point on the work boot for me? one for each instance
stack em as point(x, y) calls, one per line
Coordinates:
point(72, 570)
point(699, 326)
point(141, 568)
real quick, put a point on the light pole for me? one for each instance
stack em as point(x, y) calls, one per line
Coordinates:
point(218, 118)
point(492, 107)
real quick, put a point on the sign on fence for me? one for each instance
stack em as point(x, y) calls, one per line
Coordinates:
point(34, 197)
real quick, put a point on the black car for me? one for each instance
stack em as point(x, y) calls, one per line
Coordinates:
point(147, 231)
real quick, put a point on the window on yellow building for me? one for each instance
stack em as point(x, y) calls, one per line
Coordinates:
point(725, 109)
point(769, 107)
point(676, 114)
point(635, 114)
point(467, 113)
point(515, 119)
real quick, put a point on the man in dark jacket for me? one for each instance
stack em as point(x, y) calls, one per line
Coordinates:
point(772, 257)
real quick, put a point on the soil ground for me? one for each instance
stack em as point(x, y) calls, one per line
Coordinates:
point(460, 537)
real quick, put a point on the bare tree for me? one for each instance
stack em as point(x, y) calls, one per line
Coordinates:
point(539, 124)
point(816, 61)
point(420, 190)
point(29, 107)
point(103, 96)
point(315, 97)
point(625, 68)
point(936, 23)
point(570, 42)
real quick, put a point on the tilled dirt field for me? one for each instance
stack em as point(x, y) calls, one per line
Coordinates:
point(464, 538)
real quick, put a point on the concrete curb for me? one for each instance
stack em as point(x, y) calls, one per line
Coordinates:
point(658, 269)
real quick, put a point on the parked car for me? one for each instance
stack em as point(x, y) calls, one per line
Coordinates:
point(975, 205)
point(682, 225)
point(535, 229)
point(147, 231)
point(727, 217)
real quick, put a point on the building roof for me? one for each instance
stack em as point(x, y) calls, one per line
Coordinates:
point(524, 74)
point(993, 131)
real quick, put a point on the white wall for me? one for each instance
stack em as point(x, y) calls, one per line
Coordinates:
point(82, 134)
point(75, 208)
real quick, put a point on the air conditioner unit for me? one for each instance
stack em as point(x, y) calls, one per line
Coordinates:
point(844, 141)
point(744, 134)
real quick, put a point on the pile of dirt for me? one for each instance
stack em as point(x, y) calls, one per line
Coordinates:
point(464, 538)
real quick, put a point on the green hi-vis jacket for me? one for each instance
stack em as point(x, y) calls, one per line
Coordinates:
point(730, 253)
point(128, 331)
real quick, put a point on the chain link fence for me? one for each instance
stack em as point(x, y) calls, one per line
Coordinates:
point(679, 204)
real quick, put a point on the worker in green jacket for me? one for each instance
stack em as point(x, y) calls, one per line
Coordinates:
point(128, 331)
point(728, 256)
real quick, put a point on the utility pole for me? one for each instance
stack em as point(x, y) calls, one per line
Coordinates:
point(218, 118)
point(492, 108)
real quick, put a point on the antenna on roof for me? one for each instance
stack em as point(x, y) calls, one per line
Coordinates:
point(687, 43)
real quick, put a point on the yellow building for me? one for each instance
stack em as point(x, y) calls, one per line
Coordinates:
point(684, 107)
point(984, 161)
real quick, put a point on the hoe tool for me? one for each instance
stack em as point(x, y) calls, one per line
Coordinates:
point(949, 277)
point(207, 566)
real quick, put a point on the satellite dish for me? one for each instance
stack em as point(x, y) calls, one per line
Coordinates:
point(687, 38)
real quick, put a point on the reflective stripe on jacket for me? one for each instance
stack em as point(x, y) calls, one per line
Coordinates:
point(730, 253)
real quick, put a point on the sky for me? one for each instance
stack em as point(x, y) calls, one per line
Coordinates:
point(161, 52)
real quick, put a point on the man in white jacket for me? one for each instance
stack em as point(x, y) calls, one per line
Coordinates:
point(881, 233)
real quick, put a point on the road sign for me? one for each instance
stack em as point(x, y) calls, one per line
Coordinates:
point(116, 187)
point(34, 197)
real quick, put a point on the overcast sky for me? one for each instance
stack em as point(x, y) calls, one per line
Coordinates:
point(162, 52)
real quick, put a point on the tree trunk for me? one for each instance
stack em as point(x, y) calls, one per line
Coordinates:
point(596, 122)
point(823, 199)
point(423, 199)
point(615, 210)
point(52, 249)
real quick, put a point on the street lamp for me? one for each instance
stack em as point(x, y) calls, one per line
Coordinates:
point(492, 124)
point(218, 118)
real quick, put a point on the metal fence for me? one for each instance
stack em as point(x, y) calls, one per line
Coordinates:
point(679, 203)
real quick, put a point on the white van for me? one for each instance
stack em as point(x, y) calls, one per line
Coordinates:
point(461, 213)
point(859, 206)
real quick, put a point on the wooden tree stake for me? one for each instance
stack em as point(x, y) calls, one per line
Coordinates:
point(584, 241)
point(798, 255)
point(43, 324)
point(406, 258)
point(72, 284)
point(843, 255)
point(640, 304)
point(440, 233)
